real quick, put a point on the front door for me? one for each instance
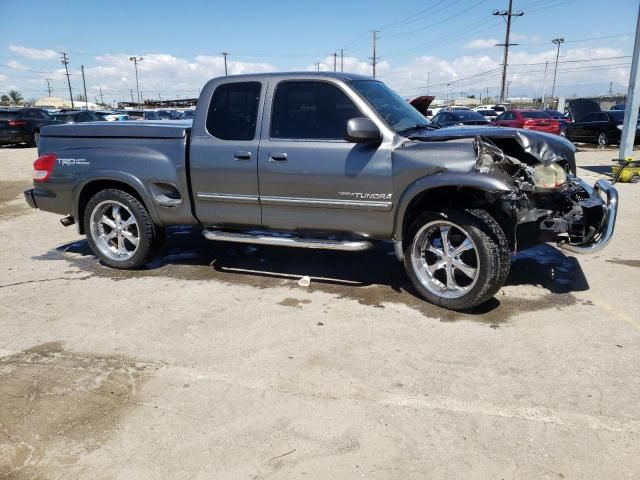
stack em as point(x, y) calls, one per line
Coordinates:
point(224, 156)
point(310, 177)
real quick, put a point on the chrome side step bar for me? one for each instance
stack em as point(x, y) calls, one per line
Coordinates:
point(287, 240)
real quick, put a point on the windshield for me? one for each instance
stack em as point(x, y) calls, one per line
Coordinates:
point(467, 115)
point(397, 112)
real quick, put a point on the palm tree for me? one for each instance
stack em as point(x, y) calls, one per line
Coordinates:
point(16, 97)
point(5, 100)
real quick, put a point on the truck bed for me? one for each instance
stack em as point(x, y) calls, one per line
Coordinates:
point(129, 129)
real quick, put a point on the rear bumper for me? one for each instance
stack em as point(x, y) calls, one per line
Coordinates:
point(604, 234)
point(14, 136)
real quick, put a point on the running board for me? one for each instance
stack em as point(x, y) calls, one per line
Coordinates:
point(287, 240)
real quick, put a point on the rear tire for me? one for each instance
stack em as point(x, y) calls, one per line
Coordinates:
point(457, 260)
point(120, 230)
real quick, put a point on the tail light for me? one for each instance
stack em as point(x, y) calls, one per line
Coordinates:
point(529, 123)
point(43, 166)
point(16, 123)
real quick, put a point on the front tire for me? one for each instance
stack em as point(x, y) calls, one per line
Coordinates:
point(120, 230)
point(603, 139)
point(457, 260)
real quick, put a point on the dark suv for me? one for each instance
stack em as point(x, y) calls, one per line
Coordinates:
point(22, 125)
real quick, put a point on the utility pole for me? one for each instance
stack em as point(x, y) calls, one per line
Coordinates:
point(507, 95)
point(224, 54)
point(317, 66)
point(48, 85)
point(506, 14)
point(544, 84)
point(135, 61)
point(335, 61)
point(342, 59)
point(557, 41)
point(65, 62)
point(374, 58)
point(84, 85)
point(633, 101)
point(611, 89)
point(131, 90)
point(101, 98)
point(428, 81)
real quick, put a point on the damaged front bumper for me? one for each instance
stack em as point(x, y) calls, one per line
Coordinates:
point(604, 232)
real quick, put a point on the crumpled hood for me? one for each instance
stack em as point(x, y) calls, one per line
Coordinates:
point(546, 148)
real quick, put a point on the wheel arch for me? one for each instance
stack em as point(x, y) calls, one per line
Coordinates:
point(116, 180)
point(444, 191)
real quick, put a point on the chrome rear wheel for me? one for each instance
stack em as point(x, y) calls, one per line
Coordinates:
point(115, 230)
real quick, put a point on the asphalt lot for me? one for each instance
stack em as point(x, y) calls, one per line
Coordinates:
point(215, 363)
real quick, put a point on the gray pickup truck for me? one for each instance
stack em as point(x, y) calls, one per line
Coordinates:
point(328, 161)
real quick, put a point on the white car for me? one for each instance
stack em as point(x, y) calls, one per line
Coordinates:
point(489, 113)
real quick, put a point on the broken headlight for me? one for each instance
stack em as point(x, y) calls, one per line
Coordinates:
point(550, 176)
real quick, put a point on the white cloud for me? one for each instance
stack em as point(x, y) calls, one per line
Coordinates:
point(481, 43)
point(32, 53)
point(16, 66)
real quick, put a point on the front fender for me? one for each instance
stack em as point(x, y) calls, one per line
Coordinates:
point(115, 176)
point(477, 181)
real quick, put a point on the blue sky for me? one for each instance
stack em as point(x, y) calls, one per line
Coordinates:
point(444, 40)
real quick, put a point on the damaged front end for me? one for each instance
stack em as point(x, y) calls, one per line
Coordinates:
point(548, 203)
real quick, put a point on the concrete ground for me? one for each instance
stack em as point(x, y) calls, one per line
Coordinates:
point(215, 363)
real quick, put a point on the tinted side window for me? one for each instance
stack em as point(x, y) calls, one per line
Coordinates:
point(233, 111)
point(602, 117)
point(588, 118)
point(311, 110)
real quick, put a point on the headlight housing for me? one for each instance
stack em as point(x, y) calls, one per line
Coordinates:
point(551, 176)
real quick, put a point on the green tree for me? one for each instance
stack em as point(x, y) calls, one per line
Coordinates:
point(16, 97)
point(5, 100)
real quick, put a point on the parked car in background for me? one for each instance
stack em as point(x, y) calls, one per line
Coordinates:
point(488, 113)
point(603, 128)
point(119, 117)
point(458, 117)
point(619, 106)
point(22, 125)
point(80, 116)
point(559, 116)
point(187, 115)
point(530, 119)
point(498, 108)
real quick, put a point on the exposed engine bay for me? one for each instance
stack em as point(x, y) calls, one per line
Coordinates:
point(548, 203)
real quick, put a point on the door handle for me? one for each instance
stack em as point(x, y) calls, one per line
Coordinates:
point(242, 155)
point(278, 157)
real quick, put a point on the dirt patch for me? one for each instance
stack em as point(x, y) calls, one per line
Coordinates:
point(372, 278)
point(11, 204)
point(294, 302)
point(57, 405)
point(626, 263)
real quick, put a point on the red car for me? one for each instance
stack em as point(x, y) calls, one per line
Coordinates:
point(529, 119)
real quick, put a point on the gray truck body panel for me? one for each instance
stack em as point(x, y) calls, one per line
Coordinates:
point(330, 186)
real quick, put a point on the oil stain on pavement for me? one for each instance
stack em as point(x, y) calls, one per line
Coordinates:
point(372, 278)
point(58, 405)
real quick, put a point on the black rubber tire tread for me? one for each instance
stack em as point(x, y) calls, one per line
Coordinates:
point(606, 139)
point(150, 234)
point(32, 142)
point(493, 251)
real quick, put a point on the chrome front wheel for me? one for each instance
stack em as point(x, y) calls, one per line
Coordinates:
point(445, 259)
point(457, 259)
point(115, 230)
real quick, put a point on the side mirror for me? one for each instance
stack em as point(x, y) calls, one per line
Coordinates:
point(362, 130)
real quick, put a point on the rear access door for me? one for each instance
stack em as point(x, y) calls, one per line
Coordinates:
point(224, 154)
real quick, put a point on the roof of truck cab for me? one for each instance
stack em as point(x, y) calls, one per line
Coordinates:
point(124, 129)
point(339, 75)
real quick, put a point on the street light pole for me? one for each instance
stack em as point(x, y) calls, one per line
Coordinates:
point(557, 41)
point(135, 61)
point(633, 102)
point(224, 54)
